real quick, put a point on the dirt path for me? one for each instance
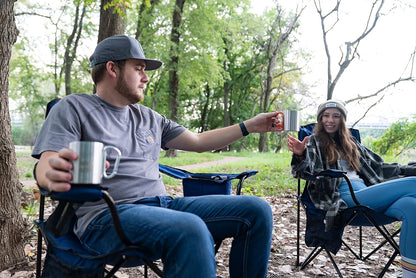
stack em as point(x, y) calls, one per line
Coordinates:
point(225, 160)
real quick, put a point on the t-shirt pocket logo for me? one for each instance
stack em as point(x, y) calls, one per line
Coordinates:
point(149, 140)
point(147, 144)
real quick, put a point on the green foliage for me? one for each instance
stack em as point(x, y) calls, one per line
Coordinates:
point(118, 6)
point(22, 136)
point(374, 133)
point(401, 136)
point(221, 55)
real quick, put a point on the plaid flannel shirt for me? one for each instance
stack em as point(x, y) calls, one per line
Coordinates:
point(324, 193)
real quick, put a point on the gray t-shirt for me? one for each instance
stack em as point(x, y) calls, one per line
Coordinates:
point(136, 130)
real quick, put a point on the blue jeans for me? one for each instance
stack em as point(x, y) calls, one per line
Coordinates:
point(182, 232)
point(395, 198)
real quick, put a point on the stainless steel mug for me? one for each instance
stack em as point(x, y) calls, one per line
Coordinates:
point(289, 120)
point(89, 168)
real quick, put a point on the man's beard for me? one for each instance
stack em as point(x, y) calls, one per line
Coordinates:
point(123, 89)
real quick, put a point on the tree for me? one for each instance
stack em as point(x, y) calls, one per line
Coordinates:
point(111, 18)
point(174, 64)
point(275, 47)
point(72, 44)
point(349, 52)
point(399, 138)
point(215, 63)
point(12, 224)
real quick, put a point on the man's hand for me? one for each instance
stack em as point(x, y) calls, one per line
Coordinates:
point(53, 170)
point(263, 122)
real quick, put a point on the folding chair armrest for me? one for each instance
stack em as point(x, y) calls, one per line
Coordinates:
point(331, 173)
point(335, 173)
point(242, 178)
point(247, 174)
point(77, 193)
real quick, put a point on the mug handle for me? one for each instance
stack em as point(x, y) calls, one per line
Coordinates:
point(115, 164)
point(280, 126)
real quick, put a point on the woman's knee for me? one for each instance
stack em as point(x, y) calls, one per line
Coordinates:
point(406, 205)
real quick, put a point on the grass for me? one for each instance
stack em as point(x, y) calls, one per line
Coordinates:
point(273, 177)
point(25, 164)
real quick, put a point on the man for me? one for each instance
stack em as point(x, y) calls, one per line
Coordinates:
point(180, 231)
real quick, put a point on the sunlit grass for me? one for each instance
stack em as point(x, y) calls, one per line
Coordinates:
point(273, 177)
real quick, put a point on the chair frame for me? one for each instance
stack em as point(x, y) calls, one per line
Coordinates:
point(114, 214)
point(358, 210)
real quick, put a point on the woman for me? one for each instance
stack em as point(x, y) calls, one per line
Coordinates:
point(332, 147)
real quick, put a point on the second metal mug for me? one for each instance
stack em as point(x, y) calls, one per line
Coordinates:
point(89, 168)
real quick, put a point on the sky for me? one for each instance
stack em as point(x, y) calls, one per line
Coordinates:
point(384, 55)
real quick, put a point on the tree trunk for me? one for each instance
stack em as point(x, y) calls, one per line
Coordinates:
point(263, 146)
point(204, 113)
point(72, 45)
point(111, 23)
point(12, 225)
point(173, 69)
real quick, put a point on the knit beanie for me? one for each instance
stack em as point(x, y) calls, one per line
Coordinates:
point(332, 103)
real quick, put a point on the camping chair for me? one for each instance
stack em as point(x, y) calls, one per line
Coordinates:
point(66, 253)
point(359, 215)
point(65, 248)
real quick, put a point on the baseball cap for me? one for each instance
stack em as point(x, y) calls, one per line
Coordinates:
point(121, 47)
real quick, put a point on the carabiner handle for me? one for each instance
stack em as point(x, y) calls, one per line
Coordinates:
point(117, 162)
point(281, 119)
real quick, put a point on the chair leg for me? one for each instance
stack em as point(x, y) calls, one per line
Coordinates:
point(154, 267)
point(298, 227)
point(386, 267)
point(352, 251)
point(116, 267)
point(360, 228)
point(382, 243)
point(334, 263)
point(39, 255)
point(315, 252)
point(40, 237)
point(310, 257)
point(217, 246)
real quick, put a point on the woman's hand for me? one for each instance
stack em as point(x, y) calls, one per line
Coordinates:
point(295, 146)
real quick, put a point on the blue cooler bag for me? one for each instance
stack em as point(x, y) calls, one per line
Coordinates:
point(205, 183)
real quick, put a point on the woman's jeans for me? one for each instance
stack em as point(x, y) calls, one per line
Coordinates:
point(182, 232)
point(395, 198)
